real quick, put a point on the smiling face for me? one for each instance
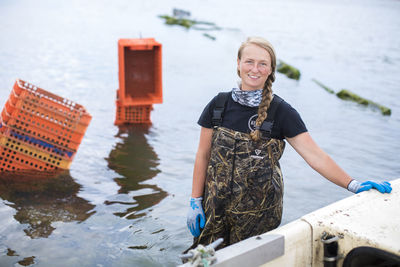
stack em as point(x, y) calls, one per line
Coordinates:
point(254, 67)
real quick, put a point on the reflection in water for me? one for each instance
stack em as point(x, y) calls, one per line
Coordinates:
point(135, 160)
point(41, 200)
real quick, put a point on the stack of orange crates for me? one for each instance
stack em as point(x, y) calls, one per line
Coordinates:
point(140, 80)
point(39, 130)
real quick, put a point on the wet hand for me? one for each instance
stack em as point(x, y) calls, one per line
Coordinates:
point(195, 217)
point(357, 187)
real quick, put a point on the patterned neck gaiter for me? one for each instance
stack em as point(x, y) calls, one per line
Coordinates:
point(247, 98)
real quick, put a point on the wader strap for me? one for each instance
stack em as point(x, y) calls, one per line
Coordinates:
point(218, 112)
point(266, 126)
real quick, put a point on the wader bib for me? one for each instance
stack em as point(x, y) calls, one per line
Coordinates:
point(243, 193)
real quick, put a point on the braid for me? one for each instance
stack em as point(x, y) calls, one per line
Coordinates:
point(263, 107)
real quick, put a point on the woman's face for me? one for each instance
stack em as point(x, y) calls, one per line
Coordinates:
point(254, 67)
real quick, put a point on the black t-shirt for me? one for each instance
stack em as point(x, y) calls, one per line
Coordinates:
point(287, 122)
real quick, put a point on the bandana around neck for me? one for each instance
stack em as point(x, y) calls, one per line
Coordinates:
point(247, 98)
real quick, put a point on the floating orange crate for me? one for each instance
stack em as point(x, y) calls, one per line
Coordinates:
point(13, 161)
point(16, 153)
point(30, 154)
point(140, 71)
point(12, 136)
point(133, 114)
point(53, 108)
point(39, 130)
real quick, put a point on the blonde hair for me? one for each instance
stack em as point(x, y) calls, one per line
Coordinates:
point(267, 89)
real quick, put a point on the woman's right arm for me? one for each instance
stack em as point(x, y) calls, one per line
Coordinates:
point(201, 162)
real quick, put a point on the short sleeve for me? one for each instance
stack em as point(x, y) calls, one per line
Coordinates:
point(292, 124)
point(205, 119)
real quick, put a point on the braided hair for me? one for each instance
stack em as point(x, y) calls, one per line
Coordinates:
point(267, 89)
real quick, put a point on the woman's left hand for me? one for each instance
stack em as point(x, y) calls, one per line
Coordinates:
point(357, 187)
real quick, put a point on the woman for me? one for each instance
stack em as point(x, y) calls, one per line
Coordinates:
point(237, 176)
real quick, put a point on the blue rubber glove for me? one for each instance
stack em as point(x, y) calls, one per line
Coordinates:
point(195, 217)
point(357, 187)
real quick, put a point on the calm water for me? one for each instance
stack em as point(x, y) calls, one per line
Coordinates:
point(124, 200)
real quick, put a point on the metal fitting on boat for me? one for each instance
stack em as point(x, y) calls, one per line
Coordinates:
point(330, 249)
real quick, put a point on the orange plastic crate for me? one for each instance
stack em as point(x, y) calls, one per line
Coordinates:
point(55, 109)
point(133, 114)
point(29, 153)
point(34, 128)
point(140, 71)
point(41, 126)
point(11, 160)
point(38, 145)
point(39, 130)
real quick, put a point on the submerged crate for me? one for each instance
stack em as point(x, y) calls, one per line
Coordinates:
point(127, 114)
point(140, 71)
point(39, 130)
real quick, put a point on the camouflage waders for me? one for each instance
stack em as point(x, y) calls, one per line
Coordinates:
point(243, 189)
